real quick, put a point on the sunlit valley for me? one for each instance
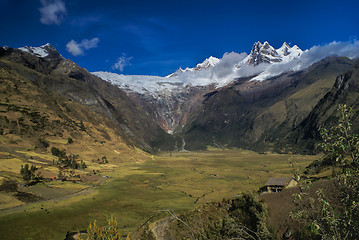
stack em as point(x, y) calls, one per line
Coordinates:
point(256, 144)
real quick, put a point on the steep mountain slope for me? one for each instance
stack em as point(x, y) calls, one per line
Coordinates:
point(256, 114)
point(58, 81)
point(345, 91)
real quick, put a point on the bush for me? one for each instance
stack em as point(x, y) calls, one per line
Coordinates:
point(108, 232)
point(58, 153)
point(44, 143)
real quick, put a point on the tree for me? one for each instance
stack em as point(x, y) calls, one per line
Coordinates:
point(340, 145)
point(328, 219)
point(57, 152)
point(28, 173)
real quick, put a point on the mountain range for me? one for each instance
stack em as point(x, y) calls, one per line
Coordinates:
point(269, 99)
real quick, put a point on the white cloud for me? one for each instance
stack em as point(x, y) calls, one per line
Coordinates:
point(79, 48)
point(52, 11)
point(122, 62)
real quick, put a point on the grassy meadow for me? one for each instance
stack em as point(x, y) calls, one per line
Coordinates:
point(134, 191)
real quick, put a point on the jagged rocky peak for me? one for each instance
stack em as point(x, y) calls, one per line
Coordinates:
point(284, 49)
point(265, 53)
point(45, 51)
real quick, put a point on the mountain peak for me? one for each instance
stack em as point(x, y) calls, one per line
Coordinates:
point(44, 51)
point(285, 44)
point(209, 62)
point(262, 53)
point(284, 49)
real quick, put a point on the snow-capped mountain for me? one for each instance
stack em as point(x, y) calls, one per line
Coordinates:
point(174, 93)
point(265, 53)
point(44, 51)
point(213, 71)
point(208, 63)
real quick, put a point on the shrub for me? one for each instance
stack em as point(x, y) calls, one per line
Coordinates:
point(108, 232)
point(44, 143)
point(58, 153)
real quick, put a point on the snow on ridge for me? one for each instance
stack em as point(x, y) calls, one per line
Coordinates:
point(139, 83)
point(220, 72)
point(209, 62)
point(37, 51)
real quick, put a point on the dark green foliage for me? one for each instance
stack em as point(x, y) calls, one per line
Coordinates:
point(340, 145)
point(70, 141)
point(28, 173)
point(58, 153)
point(44, 143)
point(325, 217)
point(103, 160)
point(71, 161)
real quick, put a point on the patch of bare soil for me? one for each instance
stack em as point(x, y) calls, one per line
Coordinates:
point(281, 204)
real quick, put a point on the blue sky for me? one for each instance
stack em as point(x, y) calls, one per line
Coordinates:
point(158, 37)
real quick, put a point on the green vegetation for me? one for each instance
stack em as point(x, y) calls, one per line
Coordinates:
point(136, 191)
point(328, 217)
point(28, 174)
point(109, 232)
point(58, 153)
point(71, 161)
point(44, 143)
point(103, 160)
point(340, 145)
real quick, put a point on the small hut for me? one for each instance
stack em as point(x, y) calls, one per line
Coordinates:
point(277, 184)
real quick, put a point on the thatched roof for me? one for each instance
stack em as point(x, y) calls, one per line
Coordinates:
point(278, 181)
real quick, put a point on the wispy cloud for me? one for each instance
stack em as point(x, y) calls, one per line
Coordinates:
point(52, 11)
point(76, 48)
point(122, 62)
